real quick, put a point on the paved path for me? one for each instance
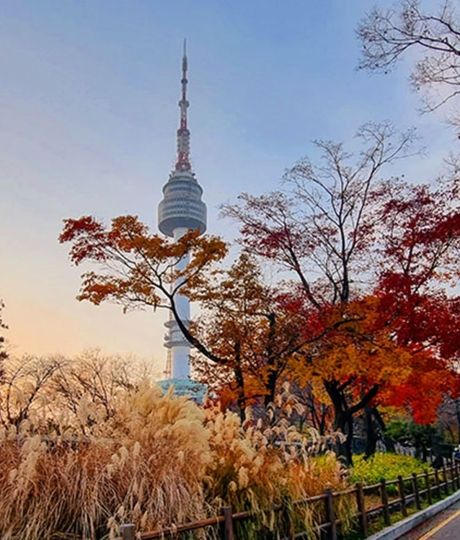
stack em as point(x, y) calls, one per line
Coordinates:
point(444, 526)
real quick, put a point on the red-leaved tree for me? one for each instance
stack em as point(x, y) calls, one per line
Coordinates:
point(338, 230)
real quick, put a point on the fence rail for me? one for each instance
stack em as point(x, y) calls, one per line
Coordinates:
point(411, 490)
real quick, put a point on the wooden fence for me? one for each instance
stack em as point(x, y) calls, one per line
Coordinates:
point(411, 490)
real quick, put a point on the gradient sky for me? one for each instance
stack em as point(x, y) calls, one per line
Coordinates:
point(88, 99)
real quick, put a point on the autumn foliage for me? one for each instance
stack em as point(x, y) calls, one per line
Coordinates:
point(141, 264)
point(363, 316)
point(382, 254)
point(339, 309)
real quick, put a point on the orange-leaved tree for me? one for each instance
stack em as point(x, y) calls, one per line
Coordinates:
point(328, 229)
point(316, 229)
point(253, 328)
point(243, 330)
point(138, 269)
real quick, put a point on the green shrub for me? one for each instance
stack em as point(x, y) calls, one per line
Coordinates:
point(385, 465)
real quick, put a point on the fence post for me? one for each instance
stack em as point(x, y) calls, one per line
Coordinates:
point(428, 487)
point(438, 486)
point(416, 493)
point(457, 477)
point(330, 515)
point(127, 531)
point(290, 531)
point(384, 495)
point(402, 496)
point(446, 483)
point(361, 503)
point(227, 529)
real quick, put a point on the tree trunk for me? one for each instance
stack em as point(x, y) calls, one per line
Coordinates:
point(343, 421)
point(271, 387)
point(457, 413)
point(389, 443)
point(271, 361)
point(372, 435)
point(343, 412)
point(241, 398)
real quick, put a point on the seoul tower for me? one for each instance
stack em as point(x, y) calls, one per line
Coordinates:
point(181, 210)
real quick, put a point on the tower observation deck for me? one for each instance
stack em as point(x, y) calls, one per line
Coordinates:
point(181, 210)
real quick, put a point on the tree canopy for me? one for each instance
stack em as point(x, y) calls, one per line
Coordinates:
point(361, 314)
point(387, 35)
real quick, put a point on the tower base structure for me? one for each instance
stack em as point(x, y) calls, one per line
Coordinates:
point(194, 390)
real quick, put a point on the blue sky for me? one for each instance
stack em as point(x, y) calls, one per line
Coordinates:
point(89, 95)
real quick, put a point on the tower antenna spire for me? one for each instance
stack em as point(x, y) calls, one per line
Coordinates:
point(183, 133)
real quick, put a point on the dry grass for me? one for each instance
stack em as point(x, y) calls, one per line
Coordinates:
point(144, 463)
point(94, 451)
point(260, 465)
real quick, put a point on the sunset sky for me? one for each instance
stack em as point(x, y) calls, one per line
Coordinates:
point(88, 98)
